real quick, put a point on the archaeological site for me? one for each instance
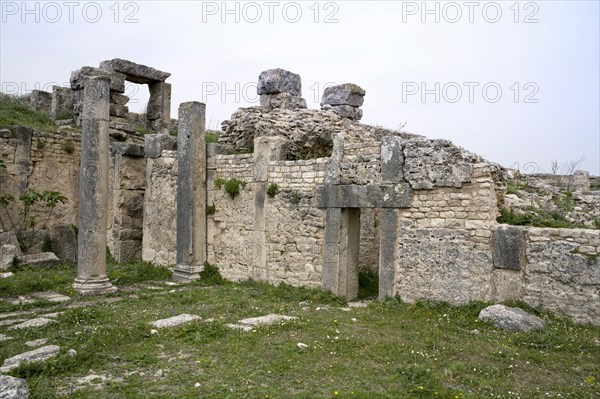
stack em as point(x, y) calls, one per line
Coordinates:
point(307, 197)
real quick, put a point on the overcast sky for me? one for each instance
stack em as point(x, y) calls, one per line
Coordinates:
point(516, 82)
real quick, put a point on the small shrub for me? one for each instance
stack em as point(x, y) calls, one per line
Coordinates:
point(69, 147)
point(368, 285)
point(295, 197)
point(210, 275)
point(211, 209)
point(211, 136)
point(272, 190)
point(232, 187)
point(219, 182)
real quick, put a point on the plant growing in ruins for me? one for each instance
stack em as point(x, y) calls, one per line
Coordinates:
point(272, 190)
point(219, 182)
point(211, 209)
point(69, 147)
point(27, 224)
point(211, 136)
point(232, 187)
point(295, 197)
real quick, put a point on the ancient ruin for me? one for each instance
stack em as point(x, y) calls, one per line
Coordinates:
point(289, 194)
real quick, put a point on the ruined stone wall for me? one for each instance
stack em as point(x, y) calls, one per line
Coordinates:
point(160, 210)
point(278, 241)
point(41, 161)
point(562, 273)
point(443, 245)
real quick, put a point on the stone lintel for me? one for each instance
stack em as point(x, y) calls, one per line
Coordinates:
point(355, 196)
point(136, 73)
point(78, 77)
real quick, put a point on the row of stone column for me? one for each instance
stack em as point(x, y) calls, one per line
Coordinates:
point(94, 186)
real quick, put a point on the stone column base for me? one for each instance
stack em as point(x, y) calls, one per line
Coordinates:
point(186, 273)
point(97, 286)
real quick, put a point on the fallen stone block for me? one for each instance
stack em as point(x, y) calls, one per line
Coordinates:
point(251, 323)
point(511, 319)
point(174, 321)
point(52, 297)
point(13, 388)
point(38, 355)
point(33, 323)
point(44, 259)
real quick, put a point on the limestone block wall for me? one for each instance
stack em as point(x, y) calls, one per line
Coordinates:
point(562, 273)
point(443, 245)
point(126, 195)
point(41, 161)
point(160, 210)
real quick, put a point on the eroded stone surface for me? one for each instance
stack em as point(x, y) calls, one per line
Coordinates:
point(278, 80)
point(33, 323)
point(344, 94)
point(44, 259)
point(175, 321)
point(51, 297)
point(253, 322)
point(13, 388)
point(37, 342)
point(136, 73)
point(512, 319)
point(38, 355)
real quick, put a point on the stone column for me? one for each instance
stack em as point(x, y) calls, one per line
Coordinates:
point(340, 254)
point(93, 189)
point(191, 192)
point(392, 173)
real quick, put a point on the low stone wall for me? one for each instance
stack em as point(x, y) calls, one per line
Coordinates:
point(562, 273)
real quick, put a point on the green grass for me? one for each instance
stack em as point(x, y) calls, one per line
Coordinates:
point(212, 136)
point(390, 349)
point(14, 113)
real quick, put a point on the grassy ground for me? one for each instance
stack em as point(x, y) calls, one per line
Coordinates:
point(387, 350)
point(14, 113)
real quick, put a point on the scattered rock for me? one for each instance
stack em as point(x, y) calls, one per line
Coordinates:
point(38, 355)
point(512, 319)
point(6, 275)
point(53, 315)
point(33, 323)
point(71, 353)
point(13, 388)
point(7, 255)
point(300, 345)
point(358, 304)
point(251, 323)
point(10, 322)
point(4, 337)
point(20, 300)
point(44, 259)
point(37, 342)
point(175, 321)
point(52, 297)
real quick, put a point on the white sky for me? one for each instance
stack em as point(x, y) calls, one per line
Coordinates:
point(542, 55)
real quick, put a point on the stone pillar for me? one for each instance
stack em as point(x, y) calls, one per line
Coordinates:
point(340, 254)
point(387, 252)
point(159, 107)
point(93, 189)
point(191, 192)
